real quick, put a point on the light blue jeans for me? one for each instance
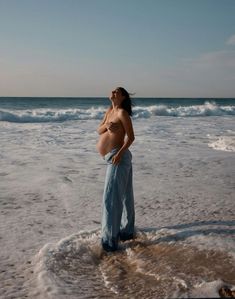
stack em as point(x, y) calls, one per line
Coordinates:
point(118, 201)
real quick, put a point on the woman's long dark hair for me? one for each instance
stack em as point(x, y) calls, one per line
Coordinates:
point(126, 103)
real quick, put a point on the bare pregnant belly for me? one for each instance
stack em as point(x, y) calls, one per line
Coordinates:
point(107, 142)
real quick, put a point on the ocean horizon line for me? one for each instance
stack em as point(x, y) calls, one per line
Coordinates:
point(103, 97)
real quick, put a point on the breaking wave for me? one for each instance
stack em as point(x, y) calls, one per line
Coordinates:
point(164, 263)
point(50, 115)
point(61, 115)
point(208, 109)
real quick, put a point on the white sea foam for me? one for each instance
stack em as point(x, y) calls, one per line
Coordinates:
point(204, 290)
point(223, 143)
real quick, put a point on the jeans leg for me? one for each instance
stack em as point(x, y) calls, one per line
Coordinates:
point(115, 185)
point(128, 214)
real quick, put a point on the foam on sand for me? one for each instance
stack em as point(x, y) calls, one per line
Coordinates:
point(166, 262)
point(223, 143)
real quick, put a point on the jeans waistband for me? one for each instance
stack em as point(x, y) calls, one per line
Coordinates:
point(108, 156)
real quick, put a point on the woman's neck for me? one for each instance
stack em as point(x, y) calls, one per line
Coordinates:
point(115, 106)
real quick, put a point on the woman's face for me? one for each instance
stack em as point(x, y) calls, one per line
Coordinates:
point(117, 95)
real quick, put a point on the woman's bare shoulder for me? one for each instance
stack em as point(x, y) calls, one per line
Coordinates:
point(108, 110)
point(123, 113)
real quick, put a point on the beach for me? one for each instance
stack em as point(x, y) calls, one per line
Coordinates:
point(51, 182)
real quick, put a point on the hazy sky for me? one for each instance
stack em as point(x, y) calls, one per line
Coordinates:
point(158, 48)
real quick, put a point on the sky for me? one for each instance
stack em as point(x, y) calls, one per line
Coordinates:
point(153, 48)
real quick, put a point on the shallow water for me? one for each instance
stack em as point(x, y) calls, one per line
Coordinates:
point(162, 263)
point(51, 187)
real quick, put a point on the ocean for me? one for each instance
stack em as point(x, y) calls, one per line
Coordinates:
point(65, 109)
point(51, 183)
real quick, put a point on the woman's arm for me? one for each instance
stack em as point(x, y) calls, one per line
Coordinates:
point(127, 124)
point(103, 126)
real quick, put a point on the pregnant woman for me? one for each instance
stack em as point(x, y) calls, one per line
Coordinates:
point(116, 135)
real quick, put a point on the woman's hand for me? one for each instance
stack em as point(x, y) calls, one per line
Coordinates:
point(113, 127)
point(116, 159)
